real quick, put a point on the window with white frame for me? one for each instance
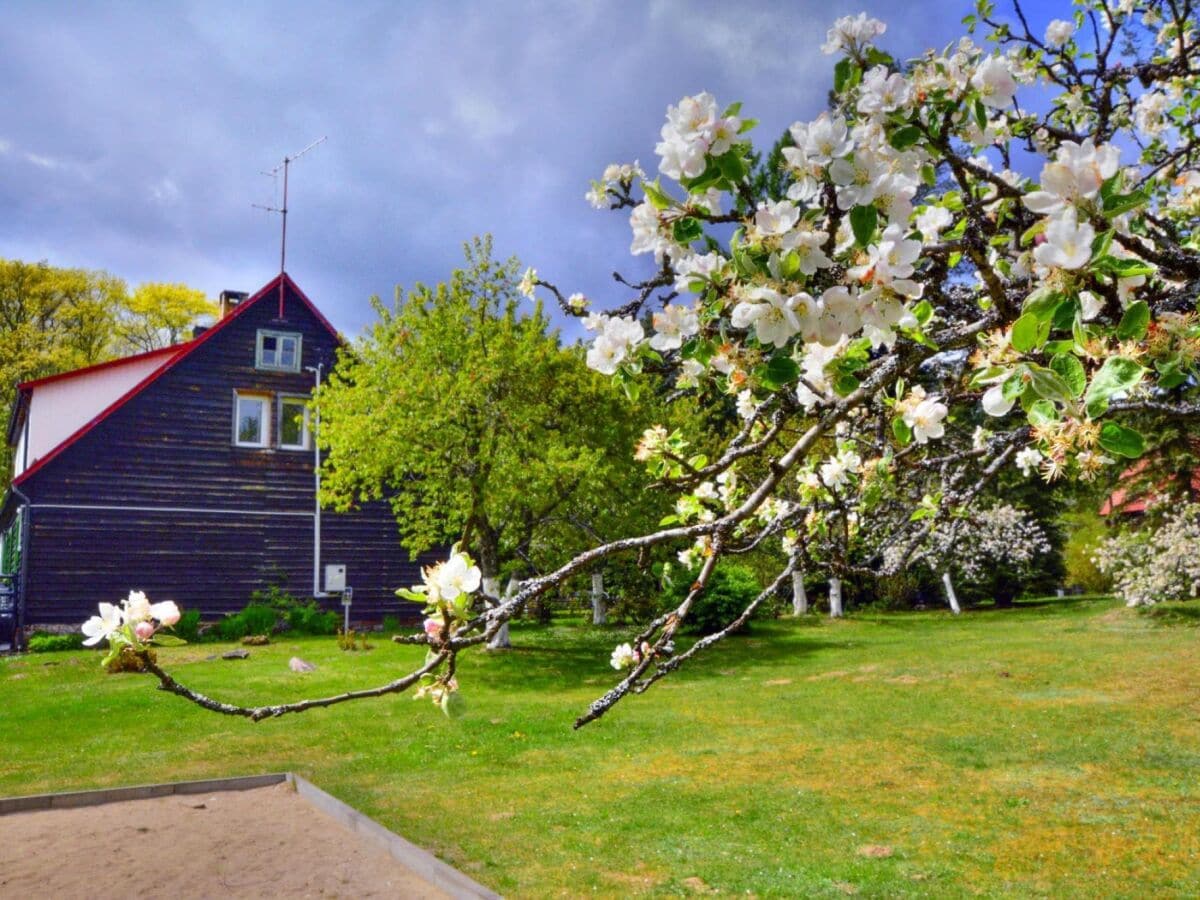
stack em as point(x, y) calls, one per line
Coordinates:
point(278, 350)
point(251, 414)
point(293, 423)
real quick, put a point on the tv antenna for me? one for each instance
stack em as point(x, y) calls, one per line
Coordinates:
point(283, 209)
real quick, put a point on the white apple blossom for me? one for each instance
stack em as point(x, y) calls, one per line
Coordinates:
point(647, 231)
point(995, 403)
point(1150, 113)
point(746, 407)
point(672, 325)
point(994, 80)
point(1075, 174)
point(881, 92)
point(772, 315)
point(1068, 243)
point(528, 282)
point(932, 221)
point(836, 473)
point(773, 219)
point(457, 576)
point(852, 33)
point(101, 627)
point(1027, 460)
point(623, 657)
point(137, 607)
point(1058, 32)
point(808, 247)
point(818, 142)
point(693, 130)
point(926, 420)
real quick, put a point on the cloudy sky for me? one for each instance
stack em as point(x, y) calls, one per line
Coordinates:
point(134, 135)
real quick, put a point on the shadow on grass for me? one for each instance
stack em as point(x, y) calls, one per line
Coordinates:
point(533, 665)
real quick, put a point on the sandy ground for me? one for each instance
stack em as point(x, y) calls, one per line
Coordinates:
point(267, 842)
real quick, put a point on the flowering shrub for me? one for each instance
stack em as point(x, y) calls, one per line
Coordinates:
point(996, 547)
point(1152, 564)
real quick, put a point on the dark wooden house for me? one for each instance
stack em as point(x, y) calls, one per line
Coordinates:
point(188, 473)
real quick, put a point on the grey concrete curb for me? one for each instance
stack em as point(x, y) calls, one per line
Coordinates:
point(421, 862)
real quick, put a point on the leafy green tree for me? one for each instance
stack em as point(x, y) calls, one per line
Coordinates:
point(51, 320)
point(469, 415)
point(158, 314)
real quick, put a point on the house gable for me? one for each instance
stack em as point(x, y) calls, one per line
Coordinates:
point(171, 433)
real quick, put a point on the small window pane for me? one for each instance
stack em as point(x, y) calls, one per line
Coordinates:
point(250, 420)
point(287, 353)
point(292, 430)
point(269, 344)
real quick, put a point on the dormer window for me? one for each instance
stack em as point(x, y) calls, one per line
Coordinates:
point(278, 351)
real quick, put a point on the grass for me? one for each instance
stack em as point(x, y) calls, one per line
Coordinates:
point(1052, 749)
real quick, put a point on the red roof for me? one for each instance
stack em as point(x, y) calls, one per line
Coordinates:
point(1118, 500)
point(182, 351)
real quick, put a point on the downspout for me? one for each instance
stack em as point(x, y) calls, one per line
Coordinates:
point(317, 592)
point(23, 578)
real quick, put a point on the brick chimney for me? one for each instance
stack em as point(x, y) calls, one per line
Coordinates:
point(229, 301)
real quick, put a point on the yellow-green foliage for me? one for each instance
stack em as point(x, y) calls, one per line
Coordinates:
point(1086, 530)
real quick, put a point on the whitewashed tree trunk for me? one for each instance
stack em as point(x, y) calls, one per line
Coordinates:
point(950, 595)
point(799, 597)
point(491, 589)
point(599, 600)
point(835, 598)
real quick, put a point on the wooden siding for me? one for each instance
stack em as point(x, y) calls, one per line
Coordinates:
point(208, 561)
point(171, 446)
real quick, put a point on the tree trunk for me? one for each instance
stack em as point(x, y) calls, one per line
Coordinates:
point(799, 597)
point(950, 595)
point(491, 588)
point(599, 600)
point(835, 598)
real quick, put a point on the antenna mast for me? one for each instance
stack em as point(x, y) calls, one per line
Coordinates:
point(283, 210)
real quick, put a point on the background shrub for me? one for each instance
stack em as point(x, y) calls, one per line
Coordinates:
point(730, 590)
point(188, 626)
point(40, 642)
point(254, 619)
point(1086, 532)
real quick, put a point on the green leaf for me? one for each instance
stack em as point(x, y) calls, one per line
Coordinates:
point(414, 596)
point(1135, 322)
point(1121, 440)
point(1068, 367)
point(903, 138)
point(845, 384)
point(845, 74)
point(169, 640)
point(1123, 203)
point(732, 109)
point(747, 125)
point(687, 230)
point(1123, 268)
point(453, 705)
point(1049, 385)
point(1041, 412)
point(902, 431)
point(928, 175)
point(1041, 304)
point(863, 220)
point(655, 195)
point(923, 311)
point(782, 370)
point(980, 115)
point(1116, 375)
point(1065, 313)
point(1029, 332)
point(732, 165)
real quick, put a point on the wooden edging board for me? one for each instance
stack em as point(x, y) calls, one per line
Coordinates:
point(419, 861)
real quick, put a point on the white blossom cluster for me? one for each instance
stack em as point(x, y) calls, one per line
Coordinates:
point(1149, 565)
point(998, 536)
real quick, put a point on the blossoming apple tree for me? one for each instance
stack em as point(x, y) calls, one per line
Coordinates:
point(1003, 228)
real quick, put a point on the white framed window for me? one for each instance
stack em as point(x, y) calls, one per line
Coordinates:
point(277, 350)
point(251, 415)
point(293, 423)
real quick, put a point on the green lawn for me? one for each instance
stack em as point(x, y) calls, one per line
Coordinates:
point(1049, 750)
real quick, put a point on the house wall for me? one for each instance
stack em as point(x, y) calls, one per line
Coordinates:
point(158, 498)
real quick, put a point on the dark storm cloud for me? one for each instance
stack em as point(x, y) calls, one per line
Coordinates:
point(134, 135)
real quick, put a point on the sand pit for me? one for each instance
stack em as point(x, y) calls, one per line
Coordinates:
point(264, 842)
